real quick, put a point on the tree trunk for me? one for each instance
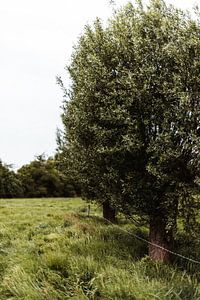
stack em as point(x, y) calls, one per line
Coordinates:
point(109, 213)
point(158, 235)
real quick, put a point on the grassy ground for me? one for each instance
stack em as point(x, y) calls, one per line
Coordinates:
point(50, 249)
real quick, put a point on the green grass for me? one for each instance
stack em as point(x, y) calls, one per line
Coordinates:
point(50, 249)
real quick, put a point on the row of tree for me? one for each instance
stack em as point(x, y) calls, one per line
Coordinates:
point(40, 178)
point(132, 117)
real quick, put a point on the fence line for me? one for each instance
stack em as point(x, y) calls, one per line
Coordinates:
point(153, 244)
point(114, 225)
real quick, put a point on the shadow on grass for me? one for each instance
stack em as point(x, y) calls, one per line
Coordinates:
point(101, 239)
point(188, 246)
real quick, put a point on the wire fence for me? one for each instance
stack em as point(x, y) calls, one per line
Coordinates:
point(114, 225)
point(153, 244)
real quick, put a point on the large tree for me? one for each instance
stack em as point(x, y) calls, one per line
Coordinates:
point(132, 115)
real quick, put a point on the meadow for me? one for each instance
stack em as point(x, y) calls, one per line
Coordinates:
point(51, 250)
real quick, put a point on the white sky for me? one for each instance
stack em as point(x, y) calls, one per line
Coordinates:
point(36, 40)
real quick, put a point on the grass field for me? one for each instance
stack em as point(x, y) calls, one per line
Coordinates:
point(50, 249)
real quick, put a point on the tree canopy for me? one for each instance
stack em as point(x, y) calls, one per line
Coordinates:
point(10, 185)
point(132, 115)
point(42, 178)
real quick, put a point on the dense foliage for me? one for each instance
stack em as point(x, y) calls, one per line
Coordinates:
point(10, 185)
point(40, 178)
point(132, 115)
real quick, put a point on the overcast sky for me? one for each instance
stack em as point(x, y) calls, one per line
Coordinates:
point(36, 40)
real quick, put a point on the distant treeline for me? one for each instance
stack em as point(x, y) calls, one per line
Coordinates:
point(42, 177)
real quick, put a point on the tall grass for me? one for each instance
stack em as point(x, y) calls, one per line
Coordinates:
point(50, 251)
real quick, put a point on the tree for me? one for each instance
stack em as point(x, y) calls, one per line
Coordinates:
point(78, 164)
point(41, 178)
point(132, 115)
point(10, 185)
